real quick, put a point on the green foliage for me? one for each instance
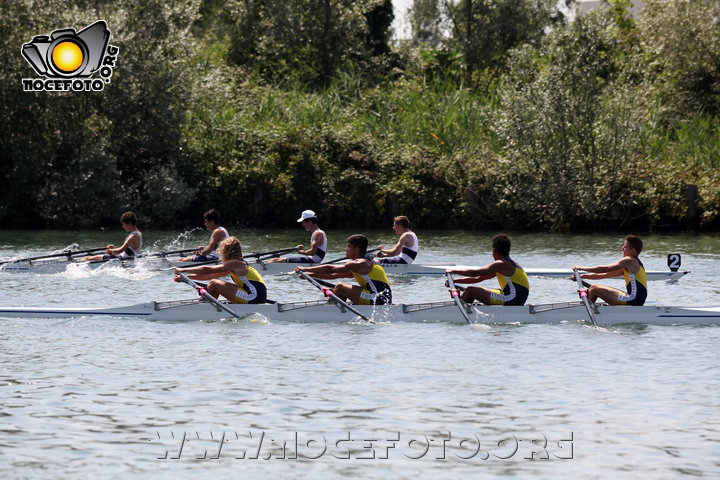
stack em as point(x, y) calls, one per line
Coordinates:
point(681, 56)
point(263, 108)
point(485, 31)
point(306, 40)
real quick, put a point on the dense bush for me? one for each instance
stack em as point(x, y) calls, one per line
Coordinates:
point(600, 123)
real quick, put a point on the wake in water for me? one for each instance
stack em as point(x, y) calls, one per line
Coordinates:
point(177, 242)
point(140, 270)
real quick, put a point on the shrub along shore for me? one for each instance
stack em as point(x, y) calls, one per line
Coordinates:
point(602, 122)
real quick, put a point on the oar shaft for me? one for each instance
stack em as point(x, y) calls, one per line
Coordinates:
point(455, 294)
point(582, 291)
point(328, 293)
point(67, 254)
point(172, 252)
point(340, 259)
point(271, 252)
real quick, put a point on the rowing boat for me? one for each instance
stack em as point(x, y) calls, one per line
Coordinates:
point(438, 269)
point(323, 311)
point(60, 265)
point(161, 263)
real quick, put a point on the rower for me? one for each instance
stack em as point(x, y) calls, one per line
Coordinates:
point(207, 253)
point(131, 246)
point(407, 246)
point(373, 285)
point(247, 284)
point(318, 241)
point(514, 283)
point(630, 267)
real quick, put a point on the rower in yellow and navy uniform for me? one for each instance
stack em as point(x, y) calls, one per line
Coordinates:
point(373, 286)
point(247, 284)
point(630, 267)
point(636, 284)
point(514, 283)
point(251, 287)
point(514, 290)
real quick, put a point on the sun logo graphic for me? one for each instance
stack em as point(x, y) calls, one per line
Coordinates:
point(69, 59)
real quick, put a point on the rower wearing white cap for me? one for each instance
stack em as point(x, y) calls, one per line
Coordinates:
point(318, 241)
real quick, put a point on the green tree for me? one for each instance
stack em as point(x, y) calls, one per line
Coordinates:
point(572, 131)
point(78, 158)
point(307, 40)
point(485, 31)
point(680, 55)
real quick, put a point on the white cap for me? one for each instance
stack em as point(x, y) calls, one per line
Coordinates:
point(306, 214)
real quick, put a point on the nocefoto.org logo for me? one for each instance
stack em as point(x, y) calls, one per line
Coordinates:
point(68, 60)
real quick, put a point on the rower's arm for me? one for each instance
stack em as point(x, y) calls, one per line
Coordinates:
point(205, 272)
point(316, 242)
point(486, 272)
point(614, 269)
point(215, 240)
point(326, 271)
point(404, 240)
point(132, 241)
point(474, 279)
point(600, 276)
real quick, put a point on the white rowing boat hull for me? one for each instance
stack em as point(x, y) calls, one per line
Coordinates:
point(438, 269)
point(156, 263)
point(323, 312)
point(59, 266)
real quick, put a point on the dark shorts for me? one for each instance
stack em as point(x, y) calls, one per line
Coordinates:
point(393, 260)
point(299, 260)
point(204, 258)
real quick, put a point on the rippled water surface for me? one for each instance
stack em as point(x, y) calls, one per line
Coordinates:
point(119, 398)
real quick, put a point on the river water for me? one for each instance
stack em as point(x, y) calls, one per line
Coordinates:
point(118, 398)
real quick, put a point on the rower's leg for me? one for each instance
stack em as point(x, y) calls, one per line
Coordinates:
point(347, 291)
point(221, 287)
point(607, 294)
point(480, 294)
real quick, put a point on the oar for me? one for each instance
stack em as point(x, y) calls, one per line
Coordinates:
point(172, 252)
point(582, 291)
point(68, 254)
point(192, 264)
point(204, 293)
point(328, 293)
point(340, 259)
point(271, 252)
point(325, 283)
point(456, 297)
